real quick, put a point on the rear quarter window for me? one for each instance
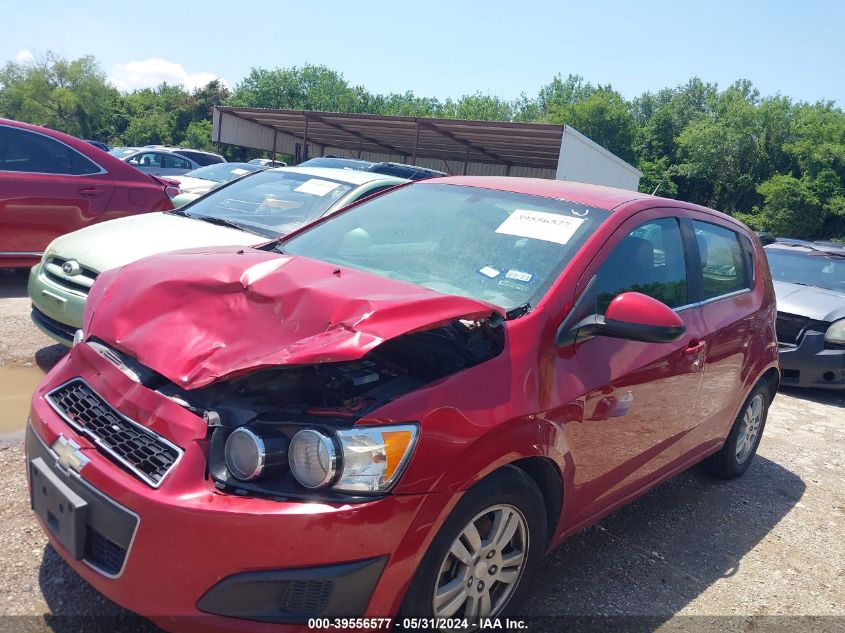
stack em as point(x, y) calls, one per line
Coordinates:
point(724, 267)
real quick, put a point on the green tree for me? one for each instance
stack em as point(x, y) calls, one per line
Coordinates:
point(306, 88)
point(478, 106)
point(198, 135)
point(790, 208)
point(71, 96)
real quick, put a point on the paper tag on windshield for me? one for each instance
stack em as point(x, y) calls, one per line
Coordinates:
point(240, 171)
point(539, 225)
point(490, 272)
point(317, 187)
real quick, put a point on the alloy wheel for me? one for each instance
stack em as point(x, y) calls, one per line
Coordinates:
point(483, 566)
point(752, 420)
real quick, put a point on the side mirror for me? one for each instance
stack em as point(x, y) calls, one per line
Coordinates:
point(632, 316)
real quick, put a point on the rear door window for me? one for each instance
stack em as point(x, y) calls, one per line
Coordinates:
point(173, 161)
point(649, 260)
point(31, 152)
point(723, 266)
point(201, 158)
point(147, 159)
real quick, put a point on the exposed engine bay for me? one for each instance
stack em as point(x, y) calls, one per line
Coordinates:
point(274, 404)
point(340, 393)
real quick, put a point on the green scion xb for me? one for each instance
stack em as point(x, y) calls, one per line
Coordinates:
point(247, 211)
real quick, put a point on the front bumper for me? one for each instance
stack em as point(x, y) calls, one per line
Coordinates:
point(195, 550)
point(810, 364)
point(56, 310)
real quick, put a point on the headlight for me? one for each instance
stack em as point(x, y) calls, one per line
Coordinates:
point(836, 332)
point(374, 457)
point(249, 455)
point(366, 460)
point(313, 458)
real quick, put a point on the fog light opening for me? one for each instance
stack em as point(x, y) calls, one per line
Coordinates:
point(829, 376)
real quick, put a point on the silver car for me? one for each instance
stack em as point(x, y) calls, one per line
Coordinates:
point(161, 160)
point(809, 282)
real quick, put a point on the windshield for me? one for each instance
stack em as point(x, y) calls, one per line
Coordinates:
point(811, 269)
point(271, 203)
point(499, 247)
point(223, 172)
point(123, 152)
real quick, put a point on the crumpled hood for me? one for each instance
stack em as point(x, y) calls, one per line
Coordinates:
point(812, 302)
point(203, 315)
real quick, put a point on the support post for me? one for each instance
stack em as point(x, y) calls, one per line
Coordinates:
point(305, 141)
point(416, 142)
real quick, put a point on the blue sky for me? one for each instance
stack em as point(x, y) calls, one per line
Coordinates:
point(438, 48)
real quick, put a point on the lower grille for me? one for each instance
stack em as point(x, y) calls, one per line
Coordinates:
point(307, 597)
point(143, 453)
point(102, 553)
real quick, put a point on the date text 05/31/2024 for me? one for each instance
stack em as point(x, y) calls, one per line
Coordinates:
point(453, 624)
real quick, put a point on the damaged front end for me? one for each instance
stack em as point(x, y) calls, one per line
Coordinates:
point(289, 432)
point(281, 426)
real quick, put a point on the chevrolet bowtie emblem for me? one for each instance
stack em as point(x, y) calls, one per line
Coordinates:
point(69, 454)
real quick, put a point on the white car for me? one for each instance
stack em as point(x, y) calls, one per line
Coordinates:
point(161, 160)
point(204, 179)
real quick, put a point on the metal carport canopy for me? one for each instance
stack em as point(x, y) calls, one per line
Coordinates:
point(533, 147)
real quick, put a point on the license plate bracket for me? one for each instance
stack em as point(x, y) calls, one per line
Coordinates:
point(60, 509)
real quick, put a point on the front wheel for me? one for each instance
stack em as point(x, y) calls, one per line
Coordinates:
point(735, 456)
point(486, 554)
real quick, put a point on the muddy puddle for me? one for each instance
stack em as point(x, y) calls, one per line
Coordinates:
point(16, 387)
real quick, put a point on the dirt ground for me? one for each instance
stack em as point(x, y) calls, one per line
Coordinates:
point(764, 552)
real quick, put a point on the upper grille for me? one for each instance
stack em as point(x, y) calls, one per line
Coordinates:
point(145, 454)
point(81, 282)
point(791, 327)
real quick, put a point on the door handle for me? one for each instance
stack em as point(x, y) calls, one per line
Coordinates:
point(694, 347)
point(91, 191)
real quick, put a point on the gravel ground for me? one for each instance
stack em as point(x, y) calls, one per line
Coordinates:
point(764, 552)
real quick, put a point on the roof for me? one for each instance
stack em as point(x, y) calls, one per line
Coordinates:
point(352, 176)
point(591, 195)
point(497, 142)
point(811, 248)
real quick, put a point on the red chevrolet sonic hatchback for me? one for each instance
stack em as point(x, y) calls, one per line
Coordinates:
point(400, 409)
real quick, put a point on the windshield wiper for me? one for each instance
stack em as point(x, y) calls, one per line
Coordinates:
point(232, 224)
point(518, 311)
point(180, 212)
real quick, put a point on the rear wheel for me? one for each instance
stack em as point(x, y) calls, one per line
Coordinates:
point(487, 552)
point(739, 449)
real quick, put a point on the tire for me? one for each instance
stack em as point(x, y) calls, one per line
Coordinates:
point(735, 456)
point(507, 496)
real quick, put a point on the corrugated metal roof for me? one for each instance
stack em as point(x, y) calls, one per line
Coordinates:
point(425, 141)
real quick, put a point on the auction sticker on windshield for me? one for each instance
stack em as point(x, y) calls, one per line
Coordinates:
point(539, 225)
point(317, 187)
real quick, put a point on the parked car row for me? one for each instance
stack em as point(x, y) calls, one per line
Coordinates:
point(166, 161)
point(360, 395)
point(200, 181)
point(244, 211)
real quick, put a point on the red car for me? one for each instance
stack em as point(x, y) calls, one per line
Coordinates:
point(397, 411)
point(53, 183)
